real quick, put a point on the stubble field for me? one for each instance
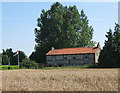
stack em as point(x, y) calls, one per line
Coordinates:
point(60, 80)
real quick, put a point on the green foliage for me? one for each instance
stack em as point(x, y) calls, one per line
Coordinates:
point(27, 63)
point(15, 58)
point(0, 59)
point(5, 60)
point(14, 67)
point(109, 56)
point(55, 65)
point(8, 67)
point(7, 56)
point(61, 27)
point(117, 45)
point(66, 67)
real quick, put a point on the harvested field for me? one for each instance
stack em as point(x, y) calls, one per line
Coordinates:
point(60, 80)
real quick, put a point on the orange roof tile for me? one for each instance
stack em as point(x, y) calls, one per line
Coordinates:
point(72, 51)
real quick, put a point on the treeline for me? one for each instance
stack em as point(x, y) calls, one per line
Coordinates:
point(8, 57)
point(110, 54)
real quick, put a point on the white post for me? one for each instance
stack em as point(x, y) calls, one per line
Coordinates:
point(9, 61)
point(18, 58)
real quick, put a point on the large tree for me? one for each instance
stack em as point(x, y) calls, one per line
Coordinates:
point(5, 60)
point(22, 56)
point(110, 54)
point(106, 55)
point(61, 27)
point(117, 44)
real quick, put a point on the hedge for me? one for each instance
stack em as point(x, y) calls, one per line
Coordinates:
point(9, 67)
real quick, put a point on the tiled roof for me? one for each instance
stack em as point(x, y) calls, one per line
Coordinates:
point(72, 51)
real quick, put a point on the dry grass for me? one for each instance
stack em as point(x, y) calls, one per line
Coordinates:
point(60, 80)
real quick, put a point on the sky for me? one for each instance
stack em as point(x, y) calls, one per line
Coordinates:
point(19, 21)
point(119, 12)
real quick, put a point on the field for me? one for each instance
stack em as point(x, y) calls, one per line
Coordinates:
point(60, 80)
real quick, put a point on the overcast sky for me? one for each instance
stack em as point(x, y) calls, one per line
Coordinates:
point(19, 21)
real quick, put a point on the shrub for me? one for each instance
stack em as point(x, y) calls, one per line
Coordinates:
point(14, 67)
point(60, 65)
point(55, 65)
point(22, 67)
point(49, 65)
point(5, 60)
point(3, 67)
point(27, 63)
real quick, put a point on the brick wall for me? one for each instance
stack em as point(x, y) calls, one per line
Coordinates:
point(77, 59)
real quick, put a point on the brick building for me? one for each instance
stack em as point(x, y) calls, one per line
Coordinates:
point(73, 56)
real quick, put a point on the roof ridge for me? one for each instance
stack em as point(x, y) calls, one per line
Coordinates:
point(75, 47)
point(76, 50)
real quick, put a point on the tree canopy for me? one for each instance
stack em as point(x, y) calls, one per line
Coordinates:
point(110, 54)
point(61, 27)
point(7, 57)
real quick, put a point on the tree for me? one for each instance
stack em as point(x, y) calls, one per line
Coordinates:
point(117, 44)
point(85, 34)
point(5, 60)
point(109, 56)
point(15, 58)
point(106, 57)
point(61, 27)
point(8, 55)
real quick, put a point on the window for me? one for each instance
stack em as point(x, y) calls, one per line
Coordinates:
point(74, 65)
point(59, 57)
point(49, 58)
point(65, 56)
point(69, 57)
point(86, 57)
point(73, 56)
point(65, 64)
point(53, 58)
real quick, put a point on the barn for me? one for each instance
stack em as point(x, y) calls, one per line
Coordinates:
point(73, 56)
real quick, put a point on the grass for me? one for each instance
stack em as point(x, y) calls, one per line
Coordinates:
point(64, 67)
point(60, 80)
point(9, 67)
point(44, 68)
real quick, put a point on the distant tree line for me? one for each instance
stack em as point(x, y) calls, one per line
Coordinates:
point(110, 54)
point(8, 58)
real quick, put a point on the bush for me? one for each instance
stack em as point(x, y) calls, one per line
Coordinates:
point(14, 67)
point(55, 65)
point(5, 60)
point(22, 68)
point(27, 63)
point(60, 65)
point(3, 67)
point(49, 65)
point(8, 67)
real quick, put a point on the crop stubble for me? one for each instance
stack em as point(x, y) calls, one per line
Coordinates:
point(60, 80)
